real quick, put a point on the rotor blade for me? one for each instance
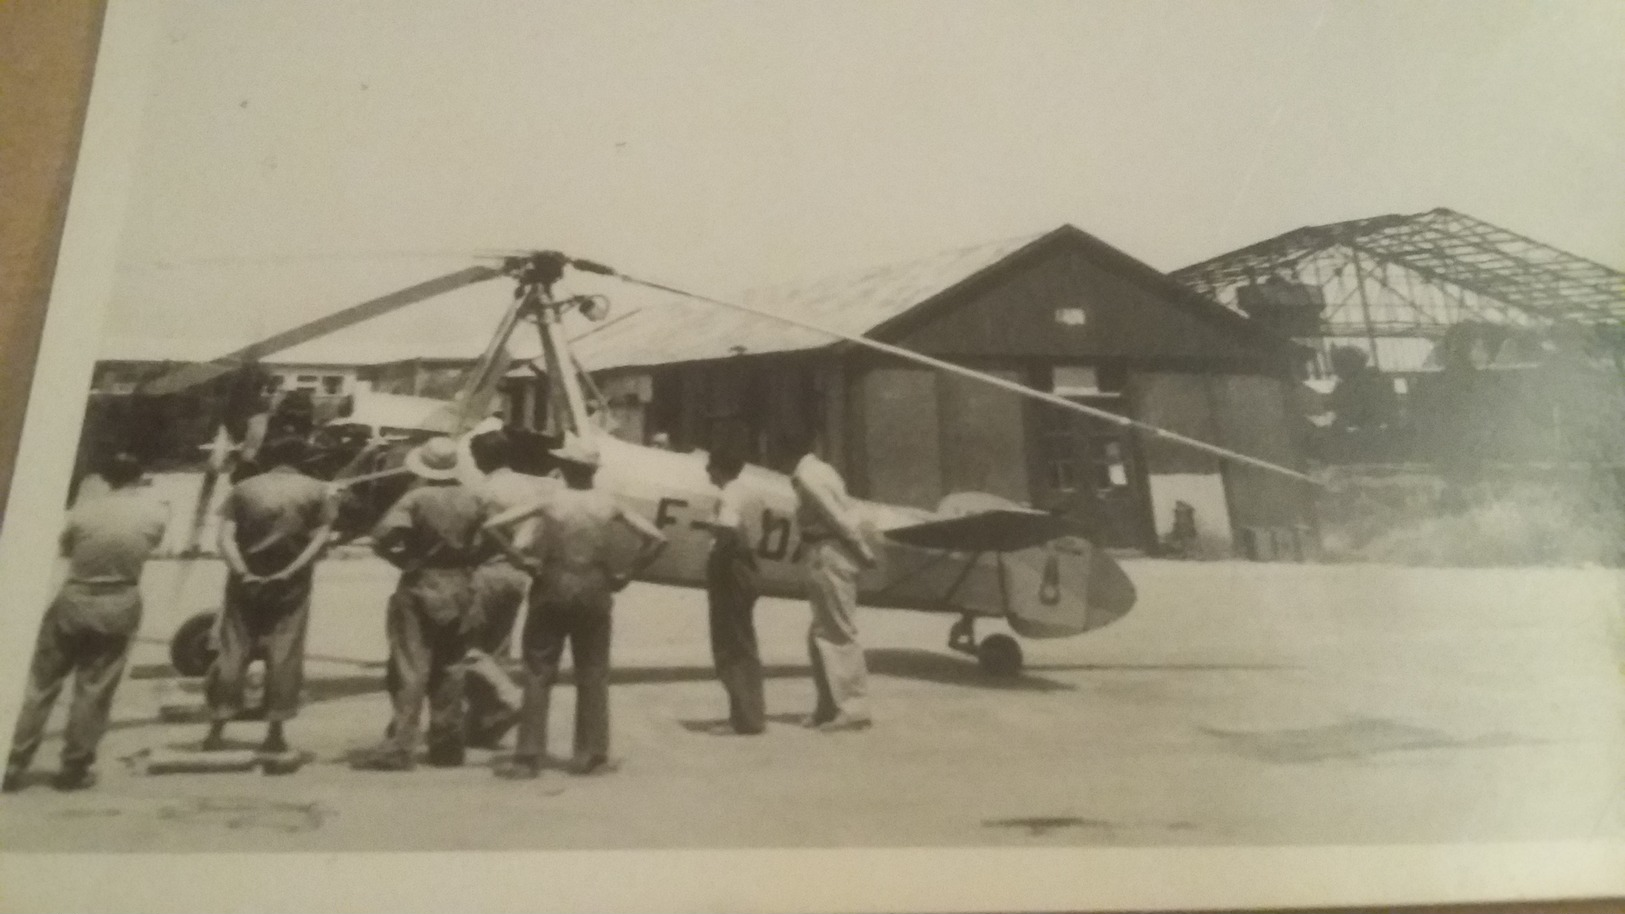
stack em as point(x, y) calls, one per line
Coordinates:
point(201, 372)
point(973, 374)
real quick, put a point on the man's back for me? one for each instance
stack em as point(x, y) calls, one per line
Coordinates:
point(276, 512)
point(504, 489)
point(819, 485)
point(442, 524)
point(573, 543)
point(109, 537)
point(739, 510)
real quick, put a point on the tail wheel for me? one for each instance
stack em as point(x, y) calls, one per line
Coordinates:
point(192, 649)
point(999, 656)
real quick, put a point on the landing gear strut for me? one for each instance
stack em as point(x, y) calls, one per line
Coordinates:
point(999, 655)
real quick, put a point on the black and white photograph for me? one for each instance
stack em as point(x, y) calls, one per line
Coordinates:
point(827, 456)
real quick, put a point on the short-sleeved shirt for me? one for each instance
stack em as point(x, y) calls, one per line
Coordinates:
point(575, 547)
point(816, 482)
point(442, 523)
point(277, 513)
point(504, 489)
point(740, 510)
point(109, 537)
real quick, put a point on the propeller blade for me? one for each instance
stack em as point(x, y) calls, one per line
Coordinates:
point(202, 372)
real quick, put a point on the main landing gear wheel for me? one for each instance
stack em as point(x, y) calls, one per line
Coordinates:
point(192, 649)
point(999, 656)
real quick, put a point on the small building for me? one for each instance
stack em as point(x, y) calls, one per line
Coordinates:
point(1062, 312)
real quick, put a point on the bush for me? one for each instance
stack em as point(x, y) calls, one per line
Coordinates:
point(1522, 524)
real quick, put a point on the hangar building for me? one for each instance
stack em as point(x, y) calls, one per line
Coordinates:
point(1063, 312)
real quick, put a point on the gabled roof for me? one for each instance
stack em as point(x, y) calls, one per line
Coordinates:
point(678, 329)
point(874, 302)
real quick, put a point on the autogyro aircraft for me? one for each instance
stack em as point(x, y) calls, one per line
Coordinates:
point(976, 556)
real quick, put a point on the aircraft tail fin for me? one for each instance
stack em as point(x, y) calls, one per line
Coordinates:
point(1064, 587)
point(1054, 582)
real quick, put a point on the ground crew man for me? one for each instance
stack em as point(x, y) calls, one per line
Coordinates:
point(432, 534)
point(731, 587)
point(499, 589)
point(832, 551)
point(88, 628)
point(273, 527)
point(570, 600)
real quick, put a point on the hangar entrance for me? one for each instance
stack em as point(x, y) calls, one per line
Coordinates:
point(1090, 468)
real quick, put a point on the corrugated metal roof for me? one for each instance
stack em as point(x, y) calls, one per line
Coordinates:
point(1438, 246)
point(683, 330)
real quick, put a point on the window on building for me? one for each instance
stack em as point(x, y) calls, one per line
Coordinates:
point(1075, 381)
point(306, 382)
point(1071, 317)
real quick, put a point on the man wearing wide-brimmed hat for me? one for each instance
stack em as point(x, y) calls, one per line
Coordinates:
point(433, 535)
point(570, 600)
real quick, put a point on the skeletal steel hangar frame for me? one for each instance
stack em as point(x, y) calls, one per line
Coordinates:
point(1414, 276)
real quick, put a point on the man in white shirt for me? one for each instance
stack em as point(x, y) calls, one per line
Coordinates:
point(833, 550)
point(731, 588)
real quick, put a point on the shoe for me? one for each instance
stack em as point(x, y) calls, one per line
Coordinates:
point(213, 744)
point(520, 769)
point(596, 764)
point(727, 729)
point(12, 783)
point(814, 721)
point(74, 779)
point(842, 723)
point(446, 757)
point(385, 760)
point(490, 736)
point(273, 747)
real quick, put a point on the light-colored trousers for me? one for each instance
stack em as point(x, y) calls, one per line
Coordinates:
point(838, 667)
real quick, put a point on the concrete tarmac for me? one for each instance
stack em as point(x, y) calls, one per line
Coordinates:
point(1238, 704)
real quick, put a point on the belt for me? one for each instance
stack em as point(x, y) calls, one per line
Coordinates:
point(100, 586)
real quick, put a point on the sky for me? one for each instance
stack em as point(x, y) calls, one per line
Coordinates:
point(298, 156)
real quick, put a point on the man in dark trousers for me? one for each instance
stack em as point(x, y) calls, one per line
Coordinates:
point(433, 536)
point(273, 527)
point(731, 589)
point(88, 628)
point(570, 600)
point(499, 589)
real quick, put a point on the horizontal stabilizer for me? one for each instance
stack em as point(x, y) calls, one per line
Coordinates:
point(998, 530)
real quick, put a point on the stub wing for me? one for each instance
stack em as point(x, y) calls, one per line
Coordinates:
point(997, 530)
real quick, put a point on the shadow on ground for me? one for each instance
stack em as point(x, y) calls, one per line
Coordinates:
point(902, 663)
point(1350, 740)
